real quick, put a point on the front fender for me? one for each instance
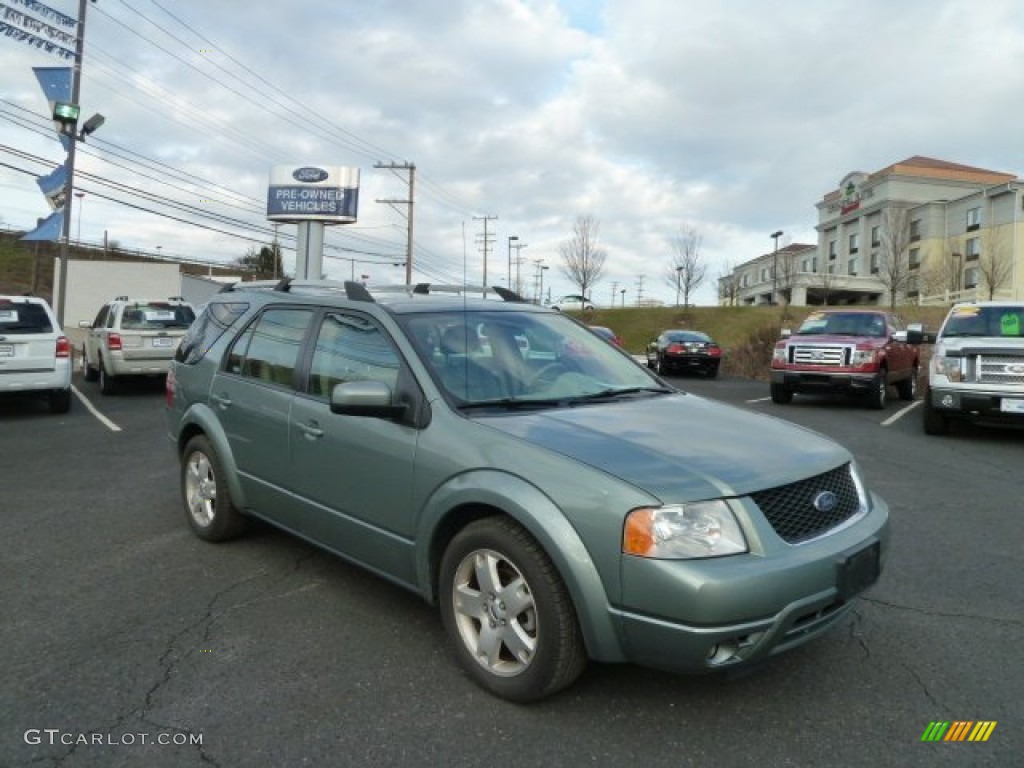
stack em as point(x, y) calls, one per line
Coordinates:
point(532, 509)
point(200, 418)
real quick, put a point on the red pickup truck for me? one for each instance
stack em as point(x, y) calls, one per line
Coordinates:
point(853, 351)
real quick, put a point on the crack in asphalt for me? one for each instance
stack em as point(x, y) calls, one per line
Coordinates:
point(944, 615)
point(854, 635)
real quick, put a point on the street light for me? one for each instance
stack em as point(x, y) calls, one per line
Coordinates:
point(540, 296)
point(510, 239)
point(78, 237)
point(775, 262)
point(623, 292)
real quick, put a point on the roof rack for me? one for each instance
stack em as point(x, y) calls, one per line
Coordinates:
point(359, 292)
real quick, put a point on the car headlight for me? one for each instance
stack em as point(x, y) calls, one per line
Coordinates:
point(779, 355)
point(862, 357)
point(950, 367)
point(683, 531)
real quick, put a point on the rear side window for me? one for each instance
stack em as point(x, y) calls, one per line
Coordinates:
point(23, 317)
point(211, 324)
point(156, 316)
point(269, 348)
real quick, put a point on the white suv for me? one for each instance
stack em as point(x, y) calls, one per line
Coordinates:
point(35, 355)
point(133, 337)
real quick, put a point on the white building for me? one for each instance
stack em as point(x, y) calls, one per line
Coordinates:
point(925, 230)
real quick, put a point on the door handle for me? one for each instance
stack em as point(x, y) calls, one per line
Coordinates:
point(222, 400)
point(311, 430)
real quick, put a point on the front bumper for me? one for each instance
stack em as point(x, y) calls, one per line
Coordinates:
point(980, 404)
point(824, 381)
point(734, 611)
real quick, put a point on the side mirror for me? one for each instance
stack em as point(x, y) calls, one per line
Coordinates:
point(84, 324)
point(365, 398)
point(916, 334)
point(786, 333)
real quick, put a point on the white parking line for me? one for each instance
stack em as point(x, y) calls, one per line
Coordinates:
point(759, 400)
point(901, 413)
point(92, 409)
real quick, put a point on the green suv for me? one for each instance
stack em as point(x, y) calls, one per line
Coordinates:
point(555, 499)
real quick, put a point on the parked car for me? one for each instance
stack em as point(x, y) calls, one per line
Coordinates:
point(574, 303)
point(852, 351)
point(533, 493)
point(976, 371)
point(133, 337)
point(606, 333)
point(35, 355)
point(680, 350)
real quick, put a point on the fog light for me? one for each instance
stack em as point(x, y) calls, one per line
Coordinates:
point(720, 654)
point(947, 401)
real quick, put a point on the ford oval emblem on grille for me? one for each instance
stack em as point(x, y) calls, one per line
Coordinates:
point(1015, 368)
point(825, 502)
point(309, 174)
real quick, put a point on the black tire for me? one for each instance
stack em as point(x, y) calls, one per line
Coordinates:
point(712, 372)
point(549, 652)
point(60, 400)
point(781, 394)
point(661, 368)
point(907, 388)
point(879, 394)
point(89, 372)
point(210, 512)
point(108, 383)
point(935, 422)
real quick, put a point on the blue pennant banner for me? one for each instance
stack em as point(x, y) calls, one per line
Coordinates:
point(46, 12)
point(50, 228)
point(27, 37)
point(55, 82)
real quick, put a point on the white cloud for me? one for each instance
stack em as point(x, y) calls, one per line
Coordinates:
point(648, 115)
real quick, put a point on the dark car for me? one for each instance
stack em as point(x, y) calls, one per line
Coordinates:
point(684, 351)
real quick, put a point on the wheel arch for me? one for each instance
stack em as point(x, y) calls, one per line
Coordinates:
point(488, 493)
point(199, 420)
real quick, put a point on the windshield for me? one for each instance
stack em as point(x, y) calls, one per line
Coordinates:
point(523, 358)
point(984, 321)
point(843, 324)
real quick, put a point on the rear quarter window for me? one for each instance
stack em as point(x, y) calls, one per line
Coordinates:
point(210, 325)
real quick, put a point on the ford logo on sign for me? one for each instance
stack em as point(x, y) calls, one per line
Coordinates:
point(309, 174)
point(825, 502)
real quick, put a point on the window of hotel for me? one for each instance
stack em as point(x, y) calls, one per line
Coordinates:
point(831, 269)
point(851, 267)
point(973, 248)
point(874, 263)
point(853, 242)
point(915, 230)
point(746, 279)
point(971, 277)
point(973, 219)
point(831, 249)
point(912, 286)
point(876, 236)
point(915, 257)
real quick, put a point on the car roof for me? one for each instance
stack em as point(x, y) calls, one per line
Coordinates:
point(404, 299)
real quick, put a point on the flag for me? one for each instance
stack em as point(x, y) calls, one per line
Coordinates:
point(50, 228)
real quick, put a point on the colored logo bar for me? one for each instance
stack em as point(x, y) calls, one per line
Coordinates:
point(959, 730)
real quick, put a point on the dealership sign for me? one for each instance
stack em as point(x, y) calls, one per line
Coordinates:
point(325, 193)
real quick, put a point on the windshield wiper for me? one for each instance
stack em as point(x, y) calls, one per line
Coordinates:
point(513, 403)
point(613, 392)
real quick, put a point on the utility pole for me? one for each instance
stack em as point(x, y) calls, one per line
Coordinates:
point(640, 290)
point(69, 184)
point(519, 261)
point(615, 286)
point(411, 168)
point(486, 242)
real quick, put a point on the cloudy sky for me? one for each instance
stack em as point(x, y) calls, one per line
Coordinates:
point(649, 116)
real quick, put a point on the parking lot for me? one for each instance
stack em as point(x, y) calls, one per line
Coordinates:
point(128, 642)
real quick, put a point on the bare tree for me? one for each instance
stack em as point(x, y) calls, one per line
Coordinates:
point(582, 260)
point(995, 265)
point(785, 277)
point(893, 266)
point(687, 270)
point(728, 285)
point(827, 279)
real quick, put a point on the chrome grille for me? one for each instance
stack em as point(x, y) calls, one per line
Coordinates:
point(999, 369)
point(790, 508)
point(819, 354)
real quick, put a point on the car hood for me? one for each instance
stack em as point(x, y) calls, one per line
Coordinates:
point(678, 447)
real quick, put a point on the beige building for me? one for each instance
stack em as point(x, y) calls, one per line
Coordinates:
point(922, 230)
